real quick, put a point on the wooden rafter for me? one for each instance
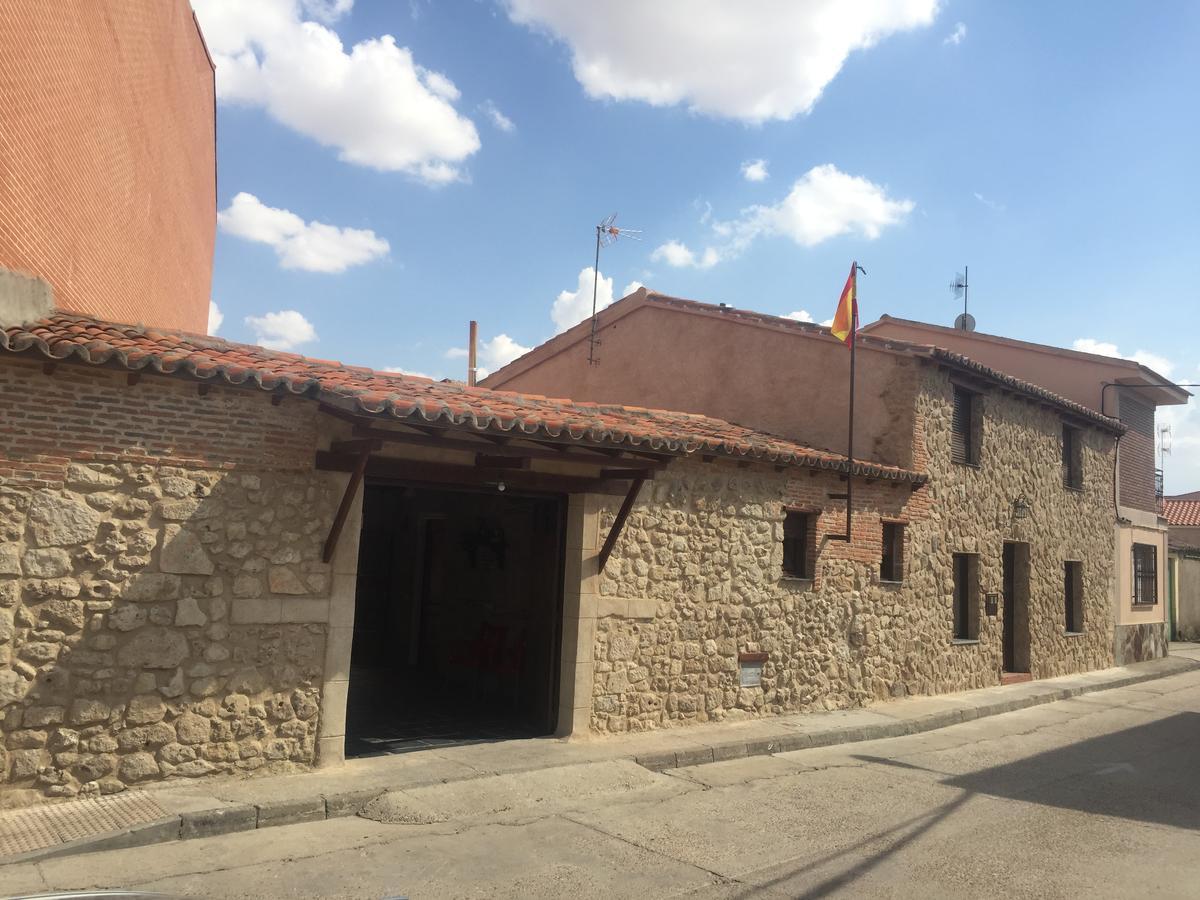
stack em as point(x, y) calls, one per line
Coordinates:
point(339, 521)
point(610, 540)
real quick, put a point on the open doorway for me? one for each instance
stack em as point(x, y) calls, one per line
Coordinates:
point(457, 618)
point(1016, 607)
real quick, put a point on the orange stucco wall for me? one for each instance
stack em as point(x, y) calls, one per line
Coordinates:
point(770, 379)
point(107, 156)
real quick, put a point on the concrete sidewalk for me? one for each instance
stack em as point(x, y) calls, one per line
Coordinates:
point(178, 811)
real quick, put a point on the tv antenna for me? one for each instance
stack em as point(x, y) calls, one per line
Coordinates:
point(607, 233)
point(965, 321)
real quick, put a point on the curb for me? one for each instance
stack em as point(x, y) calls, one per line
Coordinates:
point(233, 817)
point(787, 741)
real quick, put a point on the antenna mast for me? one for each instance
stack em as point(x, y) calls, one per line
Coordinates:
point(606, 233)
point(959, 287)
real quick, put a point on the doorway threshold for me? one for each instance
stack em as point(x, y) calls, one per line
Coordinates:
point(1015, 677)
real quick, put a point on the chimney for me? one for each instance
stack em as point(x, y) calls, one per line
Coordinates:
point(23, 299)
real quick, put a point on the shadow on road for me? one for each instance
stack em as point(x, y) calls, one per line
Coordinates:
point(1143, 773)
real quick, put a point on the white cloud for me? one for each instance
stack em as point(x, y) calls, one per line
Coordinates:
point(397, 370)
point(800, 315)
point(215, 317)
point(374, 104)
point(755, 170)
point(491, 355)
point(989, 203)
point(955, 37)
point(1159, 364)
point(499, 119)
point(823, 203)
point(681, 256)
point(284, 330)
point(312, 246)
point(713, 55)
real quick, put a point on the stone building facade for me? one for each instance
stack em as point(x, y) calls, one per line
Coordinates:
point(163, 603)
point(181, 522)
point(697, 579)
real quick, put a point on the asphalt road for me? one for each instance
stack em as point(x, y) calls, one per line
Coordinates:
point(1094, 797)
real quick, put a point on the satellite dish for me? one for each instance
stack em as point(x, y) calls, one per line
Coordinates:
point(965, 322)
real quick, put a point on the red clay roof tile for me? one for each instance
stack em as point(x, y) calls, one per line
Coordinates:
point(356, 389)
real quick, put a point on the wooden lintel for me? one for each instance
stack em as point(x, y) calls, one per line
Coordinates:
point(420, 472)
point(339, 520)
point(359, 445)
point(644, 474)
point(487, 461)
point(610, 539)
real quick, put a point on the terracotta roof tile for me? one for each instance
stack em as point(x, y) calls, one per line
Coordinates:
point(1182, 510)
point(356, 389)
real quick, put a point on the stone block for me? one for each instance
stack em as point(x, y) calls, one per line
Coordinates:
point(10, 559)
point(657, 762)
point(192, 729)
point(154, 648)
point(137, 767)
point(37, 716)
point(223, 820)
point(256, 610)
point(46, 563)
point(58, 520)
point(611, 606)
point(642, 608)
point(734, 750)
point(145, 709)
point(291, 811)
point(308, 609)
point(697, 756)
point(348, 803)
point(151, 587)
point(285, 580)
point(88, 712)
point(188, 613)
point(182, 552)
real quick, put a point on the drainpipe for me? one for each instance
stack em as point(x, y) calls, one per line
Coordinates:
point(472, 340)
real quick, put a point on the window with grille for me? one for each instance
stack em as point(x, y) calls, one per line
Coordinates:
point(1073, 596)
point(1145, 573)
point(891, 564)
point(964, 437)
point(966, 596)
point(1072, 458)
point(799, 544)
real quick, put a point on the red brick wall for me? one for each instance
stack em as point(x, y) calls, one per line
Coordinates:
point(107, 156)
point(1137, 456)
point(77, 413)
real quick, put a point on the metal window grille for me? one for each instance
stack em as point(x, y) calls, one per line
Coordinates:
point(1145, 573)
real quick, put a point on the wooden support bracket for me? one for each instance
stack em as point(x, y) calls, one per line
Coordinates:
point(610, 540)
point(335, 530)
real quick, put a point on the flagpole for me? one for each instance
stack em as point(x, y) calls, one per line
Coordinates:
point(850, 429)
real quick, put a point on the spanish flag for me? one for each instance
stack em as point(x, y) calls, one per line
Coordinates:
point(845, 320)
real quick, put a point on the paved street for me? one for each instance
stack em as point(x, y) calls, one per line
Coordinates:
point(1095, 796)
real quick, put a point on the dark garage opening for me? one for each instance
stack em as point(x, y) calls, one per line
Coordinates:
point(457, 618)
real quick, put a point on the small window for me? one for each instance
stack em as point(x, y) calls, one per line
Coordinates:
point(891, 565)
point(1072, 458)
point(1145, 573)
point(1073, 596)
point(966, 596)
point(799, 544)
point(964, 437)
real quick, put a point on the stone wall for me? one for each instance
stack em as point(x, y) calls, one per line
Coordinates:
point(160, 615)
point(696, 577)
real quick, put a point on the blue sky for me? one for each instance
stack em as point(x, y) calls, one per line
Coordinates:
point(1050, 147)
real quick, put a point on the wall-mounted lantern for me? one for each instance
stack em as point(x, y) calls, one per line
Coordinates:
point(1021, 508)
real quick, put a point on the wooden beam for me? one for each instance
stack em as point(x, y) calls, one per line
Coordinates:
point(339, 520)
point(356, 446)
point(610, 540)
point(405, 470)
point(568, 453)
point(644, 474)
point(485, 461)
